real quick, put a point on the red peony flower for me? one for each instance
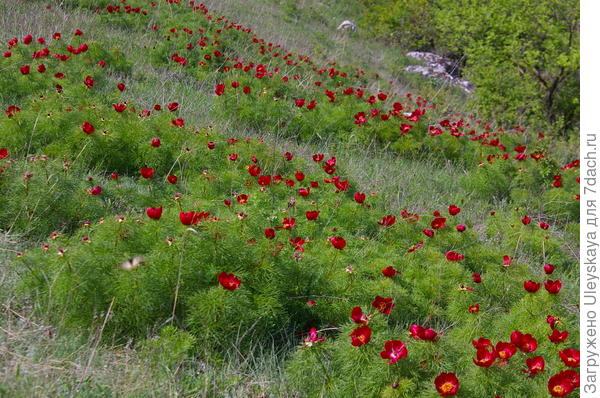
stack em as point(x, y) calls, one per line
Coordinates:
point(318, 157)
point(288, 223)
point(557, 336)
point(3, 153)
point(359, 197)
point(485, 358)
point(179, 122)
point(25, 69)
point(87, 127)
point(147, 172)
point(418, 332)
point(383, 305)
point(389, 272)
point(120, 107)
point(505, 350)
point(360, 336)
point(97, 190)
point(476, 277)
point(544, 225)
point(387, 221)
point(394, 350)
point(446, 384)
point(526, 220)
point(269, 233)
point(481, 343)
point(531, 286)
point(338, 242)
point(429, 232)
point(548, 269)
point(461, 228)
point(192, 218)
point(560, 386)
point(300, 103)
point(357, 316)
point(155, 142)
point(172, 178)
point(453, 210)
point(228, 281)
point(264, 180)
point(507, 260)
point(474, 308)
point(453, 256)
point(525, 342)
point(535, 365)
point(570, 357)
point(154, 212)
point(173, 106)
point(553, 287)
point(220, 89)
point(312, 338)
point(312, 215)
point(438, 222)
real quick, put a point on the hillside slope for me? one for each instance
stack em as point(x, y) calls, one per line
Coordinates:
point(258, 208)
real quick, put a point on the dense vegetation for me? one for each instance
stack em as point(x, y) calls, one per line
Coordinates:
point(522, 55)
point(180, 187)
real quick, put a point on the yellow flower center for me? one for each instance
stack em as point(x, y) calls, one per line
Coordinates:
point(447, 387)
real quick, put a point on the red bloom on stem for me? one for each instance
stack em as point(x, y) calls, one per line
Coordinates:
point(154, 212)
point(25, 69)
point(383, 305)
point(548, 269)
point(338, 242)
point(544, 225)
point(220, 89)
point(535, 365)
point(484, 358)
point(570, 357)
point(254, 170)
point(312, 215)
point(269, 233)
point(526, 220)
point(191, 217)
point(507, 260)
point(557, 336)
point(172, 178)
point(394, 350)
point(3, 153)
point(173, 106)
point(453, 210)
point(155, 142)
point(97, 190)
point(474, 308)
point(288, 156)
point(505, 350)
point(264, 180)
point(121, 87)
point(387, 221)
point(288, 223)
point(461, 228)
point(560, 385)
point(120, 107)
point(359, 197)
point(481, 343)
point(429, 232)
point(357, 316)
point(87, 127)
point(418, 332)
point(453, 256)
point(438, 222)
point(360, 336)
point(446, 384)
point(476, 277)
point(147, 172)
point(299, 176)
point(300, 103)
point(228, 281)
point(178, 122)
point(312, 338)
point(553, 287)
point(525, 342)
point(531, 286)
point(318, 157)
point(389, 272)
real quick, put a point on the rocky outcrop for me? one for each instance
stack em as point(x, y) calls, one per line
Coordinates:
point(438, 67)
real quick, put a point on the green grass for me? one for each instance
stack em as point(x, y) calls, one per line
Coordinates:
point(71, 341)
